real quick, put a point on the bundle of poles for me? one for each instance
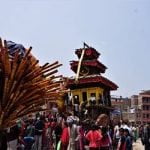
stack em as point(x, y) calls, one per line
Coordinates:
point(24, 85)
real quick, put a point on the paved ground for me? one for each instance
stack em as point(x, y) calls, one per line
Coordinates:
point(138, 145)
point(12, 145)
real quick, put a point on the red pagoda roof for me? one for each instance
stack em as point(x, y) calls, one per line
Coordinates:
point(90, 53)
point(93, 79)
point(92, 63)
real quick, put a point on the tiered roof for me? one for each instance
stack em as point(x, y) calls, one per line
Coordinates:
point(93, 69)
point(90, 63)
point(95, 80)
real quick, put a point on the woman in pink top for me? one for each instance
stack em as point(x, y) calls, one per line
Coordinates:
point(64, 137)
point(94, 137)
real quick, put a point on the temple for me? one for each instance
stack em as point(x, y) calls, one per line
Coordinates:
point(90, 90)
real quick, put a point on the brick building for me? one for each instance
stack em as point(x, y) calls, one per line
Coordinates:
point(141, 105)
point(122, 108)
point(144, 104)
point(136, 109)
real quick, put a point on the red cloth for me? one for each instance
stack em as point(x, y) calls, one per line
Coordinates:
point(105, 141)
point(94, 137)
point(44, 134)
point(53, 124)
point(65, 136)
point(121, 144)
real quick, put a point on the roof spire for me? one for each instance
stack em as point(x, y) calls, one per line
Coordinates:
point(85, 45)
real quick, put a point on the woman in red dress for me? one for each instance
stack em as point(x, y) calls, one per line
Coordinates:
point(94, 137)
point(64, 137)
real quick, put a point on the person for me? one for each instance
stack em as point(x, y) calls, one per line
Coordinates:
point(128, 140)
point(140, 131)
point(52, 138)
point(39, 126)
point(72, 123)
point(126, 126)
point(12, 136)
point(80, 137)
point(106, 142)
point(116, 136)
point(121, 143)
point(134, 131)
point(64, 136)
point(30, 130)
point(146, 137)
point(3, 140)
point(94, 137)
point(45, 135)
point(58, 132)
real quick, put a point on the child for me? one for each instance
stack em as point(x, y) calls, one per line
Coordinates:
point(128, 139)
point(122, 141)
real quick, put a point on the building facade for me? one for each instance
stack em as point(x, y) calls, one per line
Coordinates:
point(136, 109)
point(122, 108)
point(144, 107)
point(139, 108)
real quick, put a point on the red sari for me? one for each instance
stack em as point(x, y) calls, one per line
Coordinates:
point(64, 138)
point(94, 137)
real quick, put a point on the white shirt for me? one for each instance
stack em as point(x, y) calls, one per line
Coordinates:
point(127, 127)
point(116, 130)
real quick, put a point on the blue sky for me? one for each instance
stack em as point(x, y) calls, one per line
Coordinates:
point(118, 29)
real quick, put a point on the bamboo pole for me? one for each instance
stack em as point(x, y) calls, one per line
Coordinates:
point(25, 85)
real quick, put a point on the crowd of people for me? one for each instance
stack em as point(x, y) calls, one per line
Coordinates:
point(68, 132)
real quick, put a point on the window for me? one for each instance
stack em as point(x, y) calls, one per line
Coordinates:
point(84, 96)
point(100, 99)
point(144, 115)
point(147, 116)
point(93, 94)
point(147, 108)
point(145, 100)
point(76, 99)
point(93, 99)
